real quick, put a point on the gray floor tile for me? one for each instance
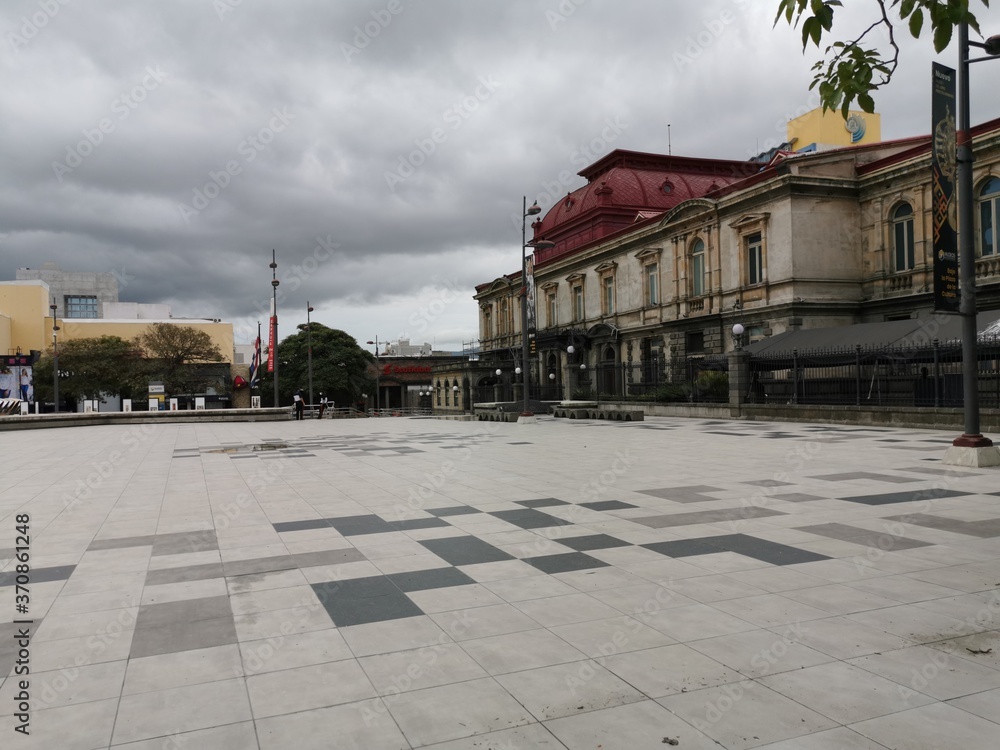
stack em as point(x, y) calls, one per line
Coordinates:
point(183, 636)
point(450, 712)
point(465, 550)
point(187, 573)
point(363, 600)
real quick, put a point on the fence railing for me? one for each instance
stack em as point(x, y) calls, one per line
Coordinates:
point(874, 376)
point(693, 379)
point(927, 375)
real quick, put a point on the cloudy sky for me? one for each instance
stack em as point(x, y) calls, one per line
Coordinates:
point(382, 148)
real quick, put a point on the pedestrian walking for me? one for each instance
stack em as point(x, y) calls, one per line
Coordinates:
point(300, 405)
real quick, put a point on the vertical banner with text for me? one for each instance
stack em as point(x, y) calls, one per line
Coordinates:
point(271, 342)
point(943, 203)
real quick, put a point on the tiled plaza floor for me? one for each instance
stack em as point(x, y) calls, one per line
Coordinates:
point(405, 583)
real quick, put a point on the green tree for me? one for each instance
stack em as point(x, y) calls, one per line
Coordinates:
point(851, 70)
point(342, 370)
point(92, 367)
point(178, 355)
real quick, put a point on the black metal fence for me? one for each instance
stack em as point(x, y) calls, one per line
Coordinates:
point(874, 376)
point(693, 379)
point(923, 376)
point(701, 379)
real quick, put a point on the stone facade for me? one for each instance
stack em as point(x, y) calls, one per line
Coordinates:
point(806, 241)
point(101, 287)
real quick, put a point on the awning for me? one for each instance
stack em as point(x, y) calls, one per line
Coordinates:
point(915, 332)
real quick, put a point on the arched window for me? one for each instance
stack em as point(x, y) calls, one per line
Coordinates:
point(697, 268)
point(902, 238)
point(989, 216)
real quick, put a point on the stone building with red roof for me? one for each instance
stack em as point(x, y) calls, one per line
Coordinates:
point(657, 257)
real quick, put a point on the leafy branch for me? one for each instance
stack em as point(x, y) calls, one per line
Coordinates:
point(852, 70)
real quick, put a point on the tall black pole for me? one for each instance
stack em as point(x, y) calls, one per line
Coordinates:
point(525, 411)
point(378, 396)
point(274, 323)
point(309, 336)
point(55, 359)
point(972, 438)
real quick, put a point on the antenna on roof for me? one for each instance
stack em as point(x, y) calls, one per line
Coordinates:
point(669, 149)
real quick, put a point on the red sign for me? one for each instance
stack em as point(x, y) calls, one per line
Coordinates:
point(406, 370)
point(271, 343)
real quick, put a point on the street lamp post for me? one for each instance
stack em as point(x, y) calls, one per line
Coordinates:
point(378, 406)
point(526, 415)
point(309, 346)
point(972, 438)
point(55, 359)
point(274, 323)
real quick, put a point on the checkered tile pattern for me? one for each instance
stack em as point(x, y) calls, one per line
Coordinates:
point(560, 585)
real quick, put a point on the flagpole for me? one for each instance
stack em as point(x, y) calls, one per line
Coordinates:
point(274, 324)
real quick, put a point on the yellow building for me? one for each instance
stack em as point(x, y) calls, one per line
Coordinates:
point(26, 322)
point(24, 306)
point(818, 130)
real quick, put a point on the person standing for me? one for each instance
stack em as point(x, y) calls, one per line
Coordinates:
point(25, 384)
point(300, 405)
point(322, 405)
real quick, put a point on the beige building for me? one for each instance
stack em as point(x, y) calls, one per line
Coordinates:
point(27, 321)
point(86, 306)
point(24, 306)
point(824, 238)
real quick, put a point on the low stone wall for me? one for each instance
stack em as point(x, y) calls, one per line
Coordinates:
point(912, 417)
point(495, 415)
point(597, 412)
point(42, 421)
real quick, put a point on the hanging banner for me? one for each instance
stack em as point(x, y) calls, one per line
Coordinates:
point(255, 361)
point(271, 343)
point(944, 206)
point(16, 382)
point(529, 291)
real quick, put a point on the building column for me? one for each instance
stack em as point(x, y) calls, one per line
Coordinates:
point(739, 377)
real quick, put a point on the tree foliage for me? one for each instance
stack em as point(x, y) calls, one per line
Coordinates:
point(851, 70)
point(342, 370)
point(176, 355)
point(91, 367)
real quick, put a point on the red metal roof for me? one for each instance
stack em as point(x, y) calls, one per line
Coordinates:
point(623, 187)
